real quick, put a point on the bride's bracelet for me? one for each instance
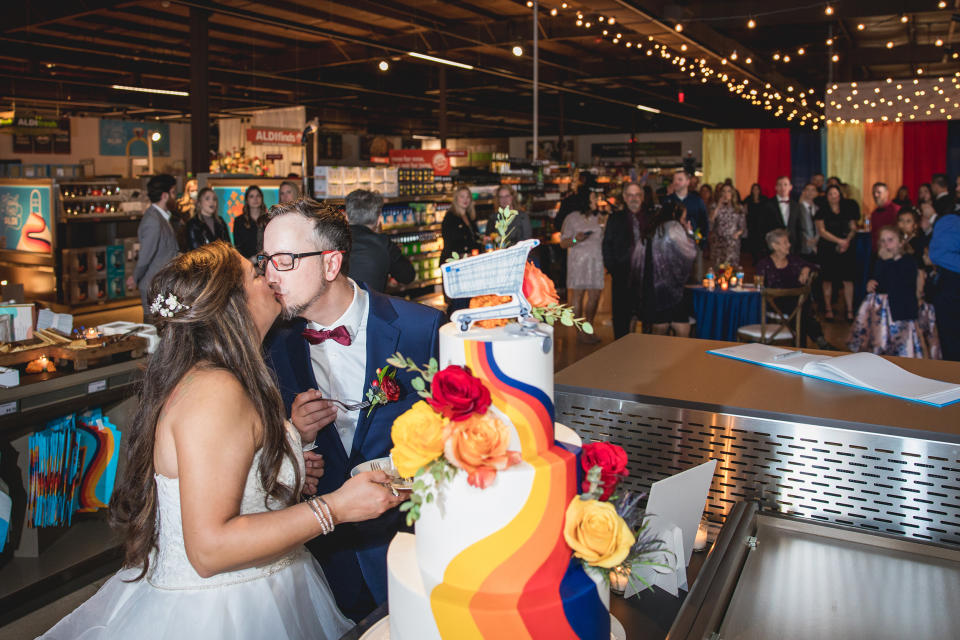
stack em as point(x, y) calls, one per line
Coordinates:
point(323, 517)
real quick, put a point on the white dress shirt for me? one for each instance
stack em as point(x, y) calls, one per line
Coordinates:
point(784, 211)
point(339, 369)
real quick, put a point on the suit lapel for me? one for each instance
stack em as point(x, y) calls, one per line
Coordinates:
point(382, 340)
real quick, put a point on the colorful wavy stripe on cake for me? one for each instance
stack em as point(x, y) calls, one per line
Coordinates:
point(530, 550)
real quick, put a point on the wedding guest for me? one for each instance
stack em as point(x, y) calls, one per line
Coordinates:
point(582, 237)
point(808, 228)
point(785, 270)
point(157, 238)
point(924, 194)
point(288, 191)
point(460, 236)
point(335, 335)
point(817, 182)
point(897, 276)
point(727, 225)
point(755, 206)
point(943, 202)
point(837, 226)
point(207, 226)
point(691, 201)
point(188, 201)
point(706, 194)
point(945, 256)
point(374, 257)
point(661, 266)
point(915, 242)
point(206, 504)
point(248, 226)
point(781, 212)
point(624, 229)
point(903, 198)
point(520, 228)
point(885, 214)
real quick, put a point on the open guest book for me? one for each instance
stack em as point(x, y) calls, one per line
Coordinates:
point(860, 370)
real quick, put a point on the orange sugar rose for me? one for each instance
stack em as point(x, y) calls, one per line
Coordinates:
point(538, 289)
point(478, 445)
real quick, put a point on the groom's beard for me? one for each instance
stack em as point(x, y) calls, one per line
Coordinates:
point(293, 311)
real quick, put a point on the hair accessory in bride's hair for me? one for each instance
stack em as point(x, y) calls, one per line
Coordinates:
point(168, 306)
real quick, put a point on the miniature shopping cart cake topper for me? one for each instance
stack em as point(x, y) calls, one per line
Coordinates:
point(495, 273)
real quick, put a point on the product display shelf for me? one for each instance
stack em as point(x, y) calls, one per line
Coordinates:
point(50, 562)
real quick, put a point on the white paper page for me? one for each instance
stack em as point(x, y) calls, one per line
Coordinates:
point(680, 499)
point(64, 323)
point(785, 359)
point(45, 319)
point(874, 372)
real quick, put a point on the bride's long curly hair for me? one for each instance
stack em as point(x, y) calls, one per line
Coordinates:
point(217, 332)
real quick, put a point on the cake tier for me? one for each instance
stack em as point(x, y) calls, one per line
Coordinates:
point(585, 604)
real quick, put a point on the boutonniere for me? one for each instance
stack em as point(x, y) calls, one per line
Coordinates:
point(383, 389)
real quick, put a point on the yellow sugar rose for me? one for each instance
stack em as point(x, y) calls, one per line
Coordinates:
point(418, 436)
point(597, 533)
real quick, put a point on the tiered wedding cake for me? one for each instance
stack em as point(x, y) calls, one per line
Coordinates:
point(492, 562)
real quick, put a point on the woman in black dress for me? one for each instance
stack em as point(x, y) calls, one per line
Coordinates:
point(837, 226)
point(206, 226)
point(459, 236)
point(248, 227)
point(752, 242)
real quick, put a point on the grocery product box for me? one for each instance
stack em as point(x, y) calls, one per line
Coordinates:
point(76, 290)
point(116, 260)
point(116, 289)
point(75, 262)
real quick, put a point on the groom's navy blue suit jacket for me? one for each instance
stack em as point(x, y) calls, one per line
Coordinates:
point(357, 553)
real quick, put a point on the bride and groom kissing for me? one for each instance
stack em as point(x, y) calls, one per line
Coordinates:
point(209, 505)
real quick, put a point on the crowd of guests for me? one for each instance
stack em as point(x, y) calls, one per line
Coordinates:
point(173, 225)
point(658, 241)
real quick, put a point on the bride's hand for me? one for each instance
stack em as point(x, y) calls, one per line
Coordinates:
point(363, 497)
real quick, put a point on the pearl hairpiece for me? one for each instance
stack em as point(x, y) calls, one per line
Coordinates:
point(168, 306)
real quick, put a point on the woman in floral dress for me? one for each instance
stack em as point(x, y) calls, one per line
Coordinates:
point(727, 224)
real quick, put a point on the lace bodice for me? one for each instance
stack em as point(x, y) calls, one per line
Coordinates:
point(169, 566)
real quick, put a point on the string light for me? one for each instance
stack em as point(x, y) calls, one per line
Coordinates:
point(835, 58)
point(904, 19)
point(889, 44)
point(942, 4)
point(679, 27)
point(828, 10)
point(751, 23)
point(801, 51)
point(939, 42)
point(861, 27)
point(829, 42)
point(384, 65)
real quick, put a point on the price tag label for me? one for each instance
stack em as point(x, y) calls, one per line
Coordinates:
point(8, 408)
point(97, 385)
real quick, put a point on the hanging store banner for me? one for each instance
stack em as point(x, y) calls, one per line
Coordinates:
point(129, 138)
point(435, 159)
point(25, 218)
point(263, 135)
point(28, 124)
point(644, 149)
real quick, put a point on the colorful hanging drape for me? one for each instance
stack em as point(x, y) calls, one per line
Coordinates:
point(924, 153)
point(882, 159)
point(805, 156)
point(746, 156)
point(774, 158)
point(719, 155)
point(953, 149)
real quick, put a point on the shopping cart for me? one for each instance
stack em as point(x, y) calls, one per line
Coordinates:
point(495, 273)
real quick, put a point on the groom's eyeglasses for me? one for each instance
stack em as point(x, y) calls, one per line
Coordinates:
point(285, 261)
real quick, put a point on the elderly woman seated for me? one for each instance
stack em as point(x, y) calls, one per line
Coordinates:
point(784, 270)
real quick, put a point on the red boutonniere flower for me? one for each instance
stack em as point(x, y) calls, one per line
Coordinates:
point(612, 461)
point(457, 394)
point(383, 389)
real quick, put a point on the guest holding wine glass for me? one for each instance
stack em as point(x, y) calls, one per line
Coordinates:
point(837, 226)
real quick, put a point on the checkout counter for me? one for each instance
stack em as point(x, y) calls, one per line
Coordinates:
point(840, 507)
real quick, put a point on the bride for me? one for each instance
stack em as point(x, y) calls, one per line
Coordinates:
point(207, 506)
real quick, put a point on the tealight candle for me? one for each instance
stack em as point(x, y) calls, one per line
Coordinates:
point(619, 578)
point(91, 333)
point(733, 281)
point(723, 285)
point(706, 283)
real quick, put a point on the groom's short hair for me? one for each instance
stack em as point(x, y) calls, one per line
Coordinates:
point(330, 227)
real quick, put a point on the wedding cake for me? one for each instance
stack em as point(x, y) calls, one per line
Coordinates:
point(492, 562)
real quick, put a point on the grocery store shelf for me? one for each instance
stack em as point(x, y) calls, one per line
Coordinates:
point(425, 254)
point(102, 217)
point(413, 228)
point(416, 284)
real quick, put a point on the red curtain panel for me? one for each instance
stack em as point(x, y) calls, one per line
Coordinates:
point(774, 160)
point(924, 153)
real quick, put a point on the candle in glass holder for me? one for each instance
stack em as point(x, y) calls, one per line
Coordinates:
point(91, 334)
point(734, 281)
point(619, 578)
point(706, 283)
point(723, 284)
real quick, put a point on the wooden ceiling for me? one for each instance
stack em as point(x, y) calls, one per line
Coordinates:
point(63, 56)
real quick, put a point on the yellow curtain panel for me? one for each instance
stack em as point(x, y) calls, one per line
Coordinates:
point(845, 156)
point(719, 155)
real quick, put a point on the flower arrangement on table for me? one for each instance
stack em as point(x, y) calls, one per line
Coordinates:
point(606, 529)
point(538, 289)
point(451, 429)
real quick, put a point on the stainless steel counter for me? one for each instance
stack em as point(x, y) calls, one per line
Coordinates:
point(805, 447)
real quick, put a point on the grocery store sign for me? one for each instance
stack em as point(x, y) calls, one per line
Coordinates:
point(260, 135)
point(435, 159)
point(28, 124)
point(645, 149)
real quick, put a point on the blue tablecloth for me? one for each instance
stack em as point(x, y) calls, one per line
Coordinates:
point(720, 313)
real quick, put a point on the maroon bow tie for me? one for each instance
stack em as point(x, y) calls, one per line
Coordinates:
point(785, 201)
point(337, 334)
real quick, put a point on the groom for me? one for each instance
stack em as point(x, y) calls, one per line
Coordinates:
point(334, 336)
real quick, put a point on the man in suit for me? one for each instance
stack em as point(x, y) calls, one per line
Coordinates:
point(943, 203)
point(624, 229)
point(158, 241)
point(334, 336)
point(782, 213)
point(374, 257)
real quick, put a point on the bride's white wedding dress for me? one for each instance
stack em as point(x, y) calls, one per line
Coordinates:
point(285, 599)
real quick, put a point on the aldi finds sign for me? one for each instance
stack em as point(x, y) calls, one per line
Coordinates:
point(261, 135)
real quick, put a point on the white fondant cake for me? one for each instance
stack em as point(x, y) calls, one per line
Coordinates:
point(492, 563)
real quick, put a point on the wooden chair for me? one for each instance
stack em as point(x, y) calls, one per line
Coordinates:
point(776, 326)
